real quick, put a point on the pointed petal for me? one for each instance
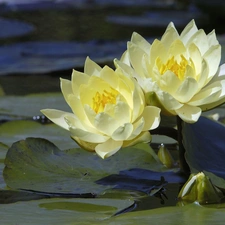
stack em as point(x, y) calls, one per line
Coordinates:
point(141, 42)
point(170, 35)
point(212, 38)
point(158, 50)
point(136, 55)
point(200, 39)
point(188, 31)
point(91, 68)
point(57, 117)
point(110, 76)
point(77, 80)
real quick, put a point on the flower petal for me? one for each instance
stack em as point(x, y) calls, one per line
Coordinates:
point(168, 101)
point(108, 148)
point(122, 132)
point(122, 113)
point(189, 114)
point(142, 137)
point(196, 57)
point(212, 57)
point(57, 117)
point(188, 31)
point(141, 42)
point(200, 39)
point(137, 128)
point(105, 123)
point(136, 54)
point(151, 116)
point(87, 136)
point(77, 80)
point(91, 68)
point(170, 35)
point(207, 95)
point(158, 50)
point(66, 88)
point(186, 90)
point(212, 38)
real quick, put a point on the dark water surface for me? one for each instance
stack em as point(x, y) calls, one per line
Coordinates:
point(90, 22)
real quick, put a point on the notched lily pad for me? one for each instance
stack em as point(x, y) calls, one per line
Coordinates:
point(37, 164)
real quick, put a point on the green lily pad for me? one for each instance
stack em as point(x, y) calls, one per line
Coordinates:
point(13, 131)
point(61, 211)
point(17, 107)
point(37, 164)
point(186, 215)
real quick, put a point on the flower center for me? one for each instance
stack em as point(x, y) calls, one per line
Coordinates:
point(101, 99)
point(178, 68)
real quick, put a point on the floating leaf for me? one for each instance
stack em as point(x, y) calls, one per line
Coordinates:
point(13, 131)
point(186, 215)
point(15, 106)
point(61, 211)
point(37, 164)
point(204, 142)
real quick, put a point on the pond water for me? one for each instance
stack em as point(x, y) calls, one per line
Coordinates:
point(45, 40)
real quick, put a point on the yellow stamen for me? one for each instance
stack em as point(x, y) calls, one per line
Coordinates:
point(177, 68)
point(101, 99)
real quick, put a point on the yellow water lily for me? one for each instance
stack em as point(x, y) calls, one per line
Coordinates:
point(108, 110)
point(180, 73)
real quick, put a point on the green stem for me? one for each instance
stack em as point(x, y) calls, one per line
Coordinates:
point(183, 163)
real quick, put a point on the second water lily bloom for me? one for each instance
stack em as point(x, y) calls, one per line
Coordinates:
point(108, 110)
point(180, 73)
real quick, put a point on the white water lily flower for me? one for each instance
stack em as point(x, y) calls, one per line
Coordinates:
point(109, 110)
point(180, 73)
